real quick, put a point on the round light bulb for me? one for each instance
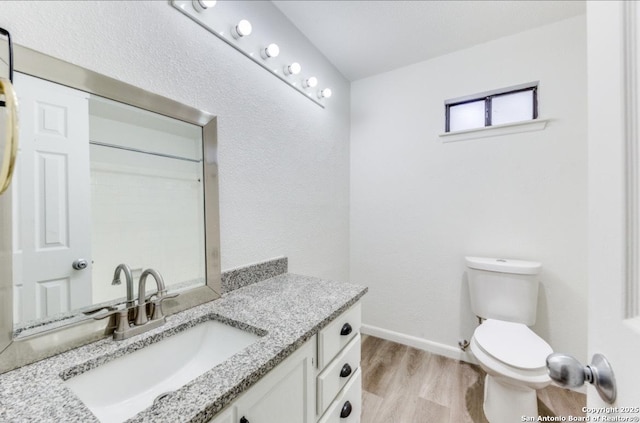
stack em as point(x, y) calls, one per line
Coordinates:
point(202, 5)
point(242, 29)
point(293, 69)
point(326, 93)
point(272, 50)
point(310, 82)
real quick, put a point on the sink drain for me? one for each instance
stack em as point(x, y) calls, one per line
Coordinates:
point(161, 397)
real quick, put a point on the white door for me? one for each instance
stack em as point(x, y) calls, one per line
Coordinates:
point(614, 194)
point(51, 200)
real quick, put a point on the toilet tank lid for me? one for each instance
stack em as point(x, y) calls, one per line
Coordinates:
point(519, 267)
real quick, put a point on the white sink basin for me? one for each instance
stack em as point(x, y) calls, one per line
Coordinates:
point(121, 388)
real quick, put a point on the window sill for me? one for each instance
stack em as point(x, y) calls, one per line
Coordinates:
point(494, 131)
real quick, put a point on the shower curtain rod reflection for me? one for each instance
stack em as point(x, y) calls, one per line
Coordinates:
point(135, 150)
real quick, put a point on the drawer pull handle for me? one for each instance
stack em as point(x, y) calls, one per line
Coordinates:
point(346, 329)
point(346, 370)
point(346, 410)
point(244, 420)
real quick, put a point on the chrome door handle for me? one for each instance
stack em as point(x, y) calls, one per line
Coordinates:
point(569, 372)
point(80, 264)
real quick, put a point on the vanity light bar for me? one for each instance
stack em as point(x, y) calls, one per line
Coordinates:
point(225, 22)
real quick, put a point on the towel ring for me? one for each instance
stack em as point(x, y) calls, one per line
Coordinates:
point(9, 137)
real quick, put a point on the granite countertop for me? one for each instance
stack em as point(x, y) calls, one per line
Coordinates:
point(289, 308)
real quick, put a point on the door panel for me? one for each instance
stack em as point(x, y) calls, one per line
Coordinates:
point(614, 190)
point(52, 200)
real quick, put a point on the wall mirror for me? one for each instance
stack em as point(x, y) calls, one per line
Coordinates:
point(107, 173)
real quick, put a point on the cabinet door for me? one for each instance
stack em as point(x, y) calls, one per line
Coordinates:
point(284, 395)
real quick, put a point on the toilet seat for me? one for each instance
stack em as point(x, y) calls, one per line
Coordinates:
point(533, 379)
point(513, 344)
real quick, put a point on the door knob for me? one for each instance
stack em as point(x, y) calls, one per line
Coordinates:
point(569, 372)
point(80, 264)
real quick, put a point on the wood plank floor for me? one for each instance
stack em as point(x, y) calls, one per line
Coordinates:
point(402, 384)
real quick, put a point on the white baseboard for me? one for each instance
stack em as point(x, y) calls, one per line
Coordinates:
point(420, 343)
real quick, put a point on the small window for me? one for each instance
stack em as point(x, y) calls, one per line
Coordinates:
point(466, 115)
point(497, 107)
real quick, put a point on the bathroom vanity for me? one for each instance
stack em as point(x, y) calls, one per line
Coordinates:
point(320, 381)
point(303, 367)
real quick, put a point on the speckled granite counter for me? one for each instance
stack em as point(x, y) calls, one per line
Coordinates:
point(290, 308)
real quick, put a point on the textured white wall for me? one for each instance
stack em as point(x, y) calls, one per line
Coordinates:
point(284, 161)
point(418, 205)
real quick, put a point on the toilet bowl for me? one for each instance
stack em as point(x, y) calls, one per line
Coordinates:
point(504, 296)
point(513, 357)
point(513, 351)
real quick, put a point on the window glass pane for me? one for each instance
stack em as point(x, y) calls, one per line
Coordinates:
point(514, 107)
point(466, 116)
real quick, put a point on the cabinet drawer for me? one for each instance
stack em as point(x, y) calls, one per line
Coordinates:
point(348, 406)
point(338, 373)
point(338, 334)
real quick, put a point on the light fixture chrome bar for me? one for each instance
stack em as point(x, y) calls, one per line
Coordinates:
point(232, 38)
point(136, 150)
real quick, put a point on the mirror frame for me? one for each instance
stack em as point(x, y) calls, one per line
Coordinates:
point(25, 349)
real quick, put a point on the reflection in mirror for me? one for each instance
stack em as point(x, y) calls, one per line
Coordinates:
point(100, 183)
point(63, 185)
point(152, 164)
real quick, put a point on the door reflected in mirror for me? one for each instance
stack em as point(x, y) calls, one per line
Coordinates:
point(106, 183)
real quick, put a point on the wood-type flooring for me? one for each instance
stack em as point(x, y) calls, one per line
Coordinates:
point(401, 384)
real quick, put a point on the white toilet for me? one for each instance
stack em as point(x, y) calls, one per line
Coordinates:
point(505, 293)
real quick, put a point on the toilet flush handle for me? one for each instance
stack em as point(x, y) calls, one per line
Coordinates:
point(569, 372)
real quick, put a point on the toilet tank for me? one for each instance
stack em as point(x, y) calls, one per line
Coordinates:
point(504, 289)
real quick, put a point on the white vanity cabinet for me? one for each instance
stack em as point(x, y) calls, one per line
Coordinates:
point(284, 395)
point(320, 382)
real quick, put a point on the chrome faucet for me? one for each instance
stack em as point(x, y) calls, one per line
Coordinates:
point(125, 325)
point(129, 279)
point(141, 315)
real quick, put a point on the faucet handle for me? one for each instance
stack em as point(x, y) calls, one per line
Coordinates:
point(106, 312)
point(157, 304)
point(99, 310)
point(122, 319)
point(160, 294)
